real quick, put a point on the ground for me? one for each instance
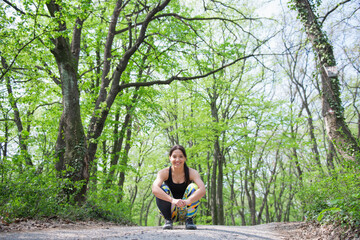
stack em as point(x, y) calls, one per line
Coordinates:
point(61, 229)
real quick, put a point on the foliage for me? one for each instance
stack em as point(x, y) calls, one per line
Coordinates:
point(334, 198)
point(29, 194)
point(268, 158)
point(103, 205)
point(36, 194)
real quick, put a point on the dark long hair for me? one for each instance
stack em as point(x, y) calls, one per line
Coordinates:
point(186, 168)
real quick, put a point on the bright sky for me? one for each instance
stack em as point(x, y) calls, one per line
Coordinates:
point(268, 8)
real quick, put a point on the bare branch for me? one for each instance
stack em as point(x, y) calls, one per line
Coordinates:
point(332, 10)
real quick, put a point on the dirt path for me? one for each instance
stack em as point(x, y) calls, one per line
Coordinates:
point(272, 231)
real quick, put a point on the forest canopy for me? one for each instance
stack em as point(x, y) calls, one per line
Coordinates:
point(264, 96)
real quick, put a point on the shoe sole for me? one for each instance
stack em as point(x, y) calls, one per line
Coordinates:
point(190, 228)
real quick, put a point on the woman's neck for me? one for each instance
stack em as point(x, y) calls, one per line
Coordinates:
point(177, 169)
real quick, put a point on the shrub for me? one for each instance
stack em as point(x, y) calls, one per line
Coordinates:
point(333, 199)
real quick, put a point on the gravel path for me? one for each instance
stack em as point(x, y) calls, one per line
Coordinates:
point(208, 232)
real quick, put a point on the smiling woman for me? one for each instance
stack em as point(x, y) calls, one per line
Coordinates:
point(178, 190)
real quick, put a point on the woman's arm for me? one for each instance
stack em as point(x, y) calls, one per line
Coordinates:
point(159, 193)
point(162, 175)
point(200, 192)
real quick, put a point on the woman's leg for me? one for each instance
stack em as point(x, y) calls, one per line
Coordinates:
point(192, 208)
point(166, 209)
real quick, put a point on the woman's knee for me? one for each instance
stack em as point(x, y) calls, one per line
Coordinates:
point(193, 186)
point(166, 189)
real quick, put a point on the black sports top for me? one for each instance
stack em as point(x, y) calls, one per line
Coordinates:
point(177, 189)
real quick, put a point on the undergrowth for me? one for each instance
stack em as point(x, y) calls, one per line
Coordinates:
point(334, 198)
point(34, 194)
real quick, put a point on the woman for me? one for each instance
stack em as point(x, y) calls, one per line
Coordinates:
point(176, 197)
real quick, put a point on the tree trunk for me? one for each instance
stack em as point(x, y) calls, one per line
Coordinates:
point(148, 209)
point(232, 198)
point(311, 130)
point(217, 181)
point(214, 212)
point(294, 154)
point(143, 207)
point(241, 211)
point(72, 137)
point(124, 162)
point(4, 145)
point(117, 146)
point(267, 186)
point(279, 204)
point(330, 155)
point(252, 202)
point(267, 213)
point(332, 108)
point(288, 206)
point(220, 178)
point(17, 119)
point(209, 190)
point(71, 143)
point(249, 191)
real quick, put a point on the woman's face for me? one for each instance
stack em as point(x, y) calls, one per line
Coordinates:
point(177, 158)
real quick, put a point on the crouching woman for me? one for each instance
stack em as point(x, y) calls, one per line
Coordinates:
point(178, 190)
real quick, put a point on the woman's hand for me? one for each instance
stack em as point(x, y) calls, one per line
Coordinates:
point(187, 202)
point(177, 202)
point(180, 202)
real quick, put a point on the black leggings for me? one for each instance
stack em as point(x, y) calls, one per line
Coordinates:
point(164, 207)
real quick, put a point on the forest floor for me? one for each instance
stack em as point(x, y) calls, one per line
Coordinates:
point(61, 229)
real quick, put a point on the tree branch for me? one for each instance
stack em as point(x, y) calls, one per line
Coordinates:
point(56, 80)
point(332, 10)
point(173, 78)
point(177, 16)
point(17, 54)
point(15, 7)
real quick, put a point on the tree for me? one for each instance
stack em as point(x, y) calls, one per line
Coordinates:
point(332, 109)
point(134, 26)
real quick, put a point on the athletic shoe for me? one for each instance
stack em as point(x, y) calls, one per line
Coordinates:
point(168, 224)
point(189, 224)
